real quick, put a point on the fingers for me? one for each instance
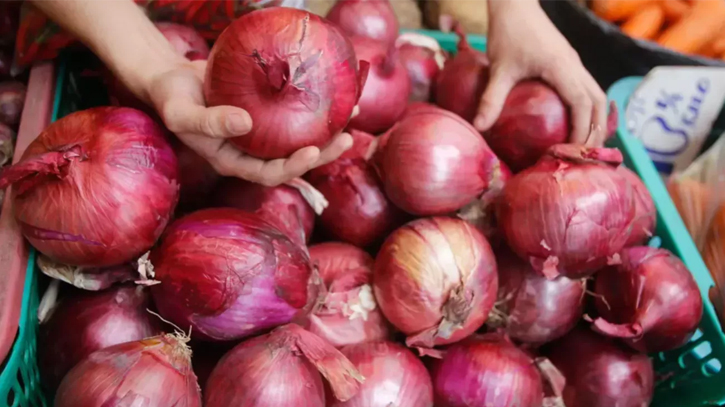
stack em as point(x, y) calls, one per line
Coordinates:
point(185, 116)
point(499, 86)
point(341, 143)
point(577, 97)
point(598, 135)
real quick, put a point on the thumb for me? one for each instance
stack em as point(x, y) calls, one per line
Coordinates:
point(493, 98)
point(184, 116)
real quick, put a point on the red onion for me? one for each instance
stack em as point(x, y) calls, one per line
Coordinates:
point(283, 206)
point(433, 163)
point(197, 178)
point(373, 19)
point(645, 212)
point(281, 369)
point(299, 85)
point(568, 213)
point(358, 211)
point(393, 377)
point(600, 372)
point(423, 58)
point(88, 321)
point(229, 274)
point(387, 86)
point(349, 313)
point(531, 308)
point(7, 144)
point(435, 280)
point(96, 188)
point(464, 77)
point(650, 299)
point(486, 370)
point(12, 100)
point(151, 372)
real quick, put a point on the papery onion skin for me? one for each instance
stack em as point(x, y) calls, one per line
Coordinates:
point(349, 313)
point(435, 280)
point(645, 212)
point(387, 87)
point(530, 308)
point(283, 206)
point(601, 372)
point(576, 184)
point(86, 322)
point(393, 377)
point(155, 372)
point(229, 274)
point(486, 370)
point(359, 212)
point(110, 189)
point(373, 19)
point(423, 58)
point(434, 163)
point(299, 86)
point(281, 369)
point(652, 300)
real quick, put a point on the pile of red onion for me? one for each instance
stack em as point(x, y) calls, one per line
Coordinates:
point(423, 58)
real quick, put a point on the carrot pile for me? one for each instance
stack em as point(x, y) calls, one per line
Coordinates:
point(687, 26)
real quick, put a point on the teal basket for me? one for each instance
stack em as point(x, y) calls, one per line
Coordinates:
point(689, 377)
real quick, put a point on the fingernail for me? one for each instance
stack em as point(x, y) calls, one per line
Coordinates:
point(238, 124)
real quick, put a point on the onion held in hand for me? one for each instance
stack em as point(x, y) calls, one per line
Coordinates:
point(349, 313)
point(295, 73)
point(486, 370)
point(358, 212)
point(96, 188)
point(650, 299)
point(435, 280)
point(229, 274)
point(387, 86)
point(423, 58)
point(281, 369)
point(434, 163)
point(600, 372)
point(151, 372)
point(393, 377)
point(568, 213)
point(531, 308)
point(373, 19)
point(645, 213)
point(86, 322)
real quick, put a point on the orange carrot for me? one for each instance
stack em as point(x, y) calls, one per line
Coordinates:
point(674, 9)
point(646, 23)
point(618, 10)
point(697, 28)
point(716, 47)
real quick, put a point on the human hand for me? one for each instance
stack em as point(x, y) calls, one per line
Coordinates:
point(177, 95)
point(523, 43)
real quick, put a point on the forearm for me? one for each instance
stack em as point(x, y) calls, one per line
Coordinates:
point(120, 34)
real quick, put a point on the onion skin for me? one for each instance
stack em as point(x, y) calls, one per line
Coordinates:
point(87, 322)
point(435, 280)
point(282, 206)
point(433, 163)
point(349, 313)
point(12, 100)
point(108, 189)
point(393, 377)
point(359, 212)
point(530, 308)
point(486, 370)
point(151, 372)
point(229, 274)
point(374, 19)
point(575, 183)
point(308, 110)
point(387, 87)
point(281, 369)
point(600, 372)
point(645, 216)
point(423, 58)
point(654, 302)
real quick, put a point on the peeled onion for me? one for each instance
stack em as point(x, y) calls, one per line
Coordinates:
point(434, 163)
point(570, 213)
point(423, 58)
point(349, 313)
point(299, 84)
point(645, 213)
point(435, 280)
point(651, 300)
point(96, 188)
point(229, 274)
point(373, 19)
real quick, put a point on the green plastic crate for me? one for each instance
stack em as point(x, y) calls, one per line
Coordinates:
point(692, 375)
